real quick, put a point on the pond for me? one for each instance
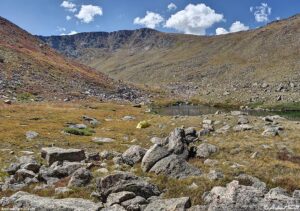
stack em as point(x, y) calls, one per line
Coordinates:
point(196, 110)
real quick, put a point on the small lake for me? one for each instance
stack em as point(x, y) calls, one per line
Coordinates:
point(196, 110)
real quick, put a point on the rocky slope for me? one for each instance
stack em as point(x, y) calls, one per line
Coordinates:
point(31, 69)
point(261, 59)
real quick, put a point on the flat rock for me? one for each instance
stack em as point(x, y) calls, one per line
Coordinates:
point(52, 154)
point(25, 200)
point(118, 198)
point(31, 135)
point(169, 204)
point(103, 140)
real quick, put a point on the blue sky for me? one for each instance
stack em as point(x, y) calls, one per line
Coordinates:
point(206, 17)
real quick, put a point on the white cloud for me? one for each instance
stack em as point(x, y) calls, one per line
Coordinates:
point(151, 20)
point(220, 31)
point(262, 12)
point(235, 27)
point(88, 12)
point(71, 33)
point(172, 6)
point(194, 19)
point(68, 17)
point(69, 6)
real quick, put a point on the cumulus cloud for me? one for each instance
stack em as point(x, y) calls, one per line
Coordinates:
point(235, 27)
point(172, 6)
point(151, 20)
point(61, 29)
point(71, 33)
point(262, 12)
point(69, 6)
point(68, 17)
point(220, 31)
point(88, 12)
point(194, 19)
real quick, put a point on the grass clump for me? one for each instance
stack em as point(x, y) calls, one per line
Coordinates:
point(79, 132)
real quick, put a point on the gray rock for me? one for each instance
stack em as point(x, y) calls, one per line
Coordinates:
point(252, 181)
point(223, 129)
point(102, 140)
point(62, 190)
point(124, 181)
point(233, 197)
point(78, 126)
point(25, 200)
point(115, 207)
point(242, 127)
point(31, 135)
point(179, 204)
point(52, 154)
point(176, 143)
point(205, 150)
point(154, 154)
point(157, 140)
point(243, 120)
point(22, 174)
point(204, 132)
point(271, 131)
point(215, 175)
point(175, 167)
point(136, 201)
point(128, 118)
point(94, 122)
point(210, 162)
point(133, 155)
point(118, 198)
point(80, 178)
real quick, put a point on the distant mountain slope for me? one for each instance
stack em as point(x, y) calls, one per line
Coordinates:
point(28, 66)
point(148, 56)
point(213, 67)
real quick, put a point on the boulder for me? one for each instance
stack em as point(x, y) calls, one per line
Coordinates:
point(215, 175)
point(271, 131)
point(81, 177)
point(31, 135)
point(205, 150)
point(133, 155)
point(118, 198)
point(101, 140)
point(169, 204)
point(25, 200)
point(92, 121)
point(134, 203)
point(154, 154)
point(124, 181)
point(52, 154)
point(176, 167)
point(176, 143)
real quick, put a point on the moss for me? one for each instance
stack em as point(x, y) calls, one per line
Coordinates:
point(79, 132)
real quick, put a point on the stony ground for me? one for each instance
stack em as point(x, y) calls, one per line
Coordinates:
point(242, 148)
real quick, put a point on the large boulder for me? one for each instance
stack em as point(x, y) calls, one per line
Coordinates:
point(154, 154)
point(28, 201)
point(175, 167)
point(123, 181)
point(133, 155)
point(81, 177)
point(176, 143)
point(53, 154)
point(237, 197)
point(169, 204)
point(24, 162)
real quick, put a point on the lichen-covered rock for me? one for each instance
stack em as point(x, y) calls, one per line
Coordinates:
point(154, 154)
point(25, 200)
point(133, 155)
point(175, 167)
point(169, 204)
point(52, 154)
point(81, 177)
point(124, 181)
point(205, 150)
point(118, 198)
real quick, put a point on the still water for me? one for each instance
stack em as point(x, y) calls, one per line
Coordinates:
point(195, 110)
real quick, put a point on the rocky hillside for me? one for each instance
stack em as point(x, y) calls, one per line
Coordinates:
point(217, 63)
point(31, 69)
